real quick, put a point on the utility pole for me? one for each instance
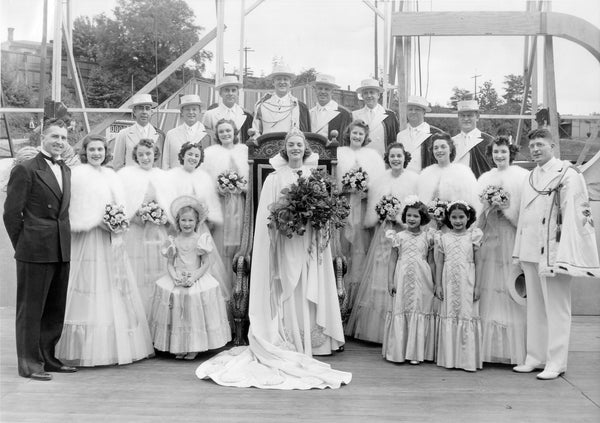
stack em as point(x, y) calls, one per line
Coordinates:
point(475, 85)
point(376, 67)
point(246, 50)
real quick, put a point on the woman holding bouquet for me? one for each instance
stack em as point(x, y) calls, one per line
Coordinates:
point(146, 202)
point(384, 207)
point(446, 181)
point(227, 164)
point(502, 310)
point(105, 321)
point(294, 311)
point(358, 167)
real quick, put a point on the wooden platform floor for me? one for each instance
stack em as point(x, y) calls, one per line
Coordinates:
point(166, 390)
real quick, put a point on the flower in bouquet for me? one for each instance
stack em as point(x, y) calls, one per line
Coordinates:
point(230, 182)
point(437, 209)
point(313, 201)
point(494, 195)
point(355, 180)
point(153, 213)
point(388, 208)
point(114, 217)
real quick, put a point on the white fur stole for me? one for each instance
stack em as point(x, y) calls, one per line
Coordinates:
point(512, 180)
point(136, 182)
point(91, 190)
point(453, 182)
point(198, 184)
point(367, 158)
point(400, 187)
point(218, 159)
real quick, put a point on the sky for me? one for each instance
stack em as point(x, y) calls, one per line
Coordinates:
point(337, 37)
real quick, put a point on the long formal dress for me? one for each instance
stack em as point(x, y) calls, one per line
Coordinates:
point(105, 322)
point(189, 319)
point(228, 236)
point(372, 301)
point(143, 240)
point(410, 325)
point(459, 332)
point(502, 310)
point(294, 313)
point(355, 238)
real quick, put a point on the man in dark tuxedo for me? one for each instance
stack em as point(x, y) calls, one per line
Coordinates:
point(36, 216)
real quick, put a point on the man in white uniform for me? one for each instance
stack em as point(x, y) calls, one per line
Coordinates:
point(228, 109)
point(471, 143)
point(383, 123)
point(127, 138)
point(555, 240)
point(191, 130)
point(416, 137)
point(328, 115)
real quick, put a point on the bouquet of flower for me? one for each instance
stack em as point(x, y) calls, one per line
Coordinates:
point(355, 181)
point(313, 200)
point(114, 217)
point(388, 208)
point(437, 209)
point(153, 213)
point(495, 195)
point(230, 182)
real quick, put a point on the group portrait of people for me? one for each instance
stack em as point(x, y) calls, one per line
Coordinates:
point(127, 248)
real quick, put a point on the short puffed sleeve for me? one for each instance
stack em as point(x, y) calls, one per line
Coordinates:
point(205, 244)
point(168, 248)
point(394, 236)
point(438, 242)
point(476, 236)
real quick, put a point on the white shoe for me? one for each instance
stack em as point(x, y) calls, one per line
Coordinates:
point(524, 368)
point(548, 375)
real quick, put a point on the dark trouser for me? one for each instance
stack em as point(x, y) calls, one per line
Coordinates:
point(41, 299)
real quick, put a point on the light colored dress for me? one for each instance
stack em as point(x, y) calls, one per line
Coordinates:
point(372, 300)
point(189, 319)
point(502, 309)
point(105, 322)
point(459, 332)
point(293, 314)
point(410, 324)
point(143, 240)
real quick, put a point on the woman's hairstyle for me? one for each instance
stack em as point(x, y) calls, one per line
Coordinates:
point(421, 208)
point(233, 125)
point(460, 205)
point(188, 146)
point(86, 141)
point(360, 124)
point(148, 143)
point(502, 140)
point(407, 155)
point(185, 209)
point(448, 139)
point(295, 133)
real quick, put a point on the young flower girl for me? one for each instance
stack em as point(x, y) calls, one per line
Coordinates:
point(410, 325)
point(459, 333)
point(188, 312)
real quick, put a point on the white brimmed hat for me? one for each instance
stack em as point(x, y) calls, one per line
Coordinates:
point(415, 100)
point(189, 201)
point(281, 70)
point(228, 80)
point(467, 106)
point(370, 83)
point(190, 100)
point(141, 99)
point(324, 79)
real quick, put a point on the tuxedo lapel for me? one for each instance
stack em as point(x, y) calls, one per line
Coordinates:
point(47, 177)
point(66, 193)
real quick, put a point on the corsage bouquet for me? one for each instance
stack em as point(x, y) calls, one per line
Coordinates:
point(388, 208)
point(114, 217)
point(153, 213)
point(355, 181)
point(230, 182)
point(494, 195)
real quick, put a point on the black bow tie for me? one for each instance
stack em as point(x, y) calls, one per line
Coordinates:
point(52, 160)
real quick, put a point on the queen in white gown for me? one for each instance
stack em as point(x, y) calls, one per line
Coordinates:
point(294, 316)
point(144, 183)
point(105, 322)
point(501, 308)
point(373, 302)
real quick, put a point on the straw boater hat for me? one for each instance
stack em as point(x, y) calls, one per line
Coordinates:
point(370, 83)
point(324, 79)
point(190, 100)
point(189, 201)
point(227, 81)
point(142, 99)
point(415, 100)
point(281, 70)
point(467, 106)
